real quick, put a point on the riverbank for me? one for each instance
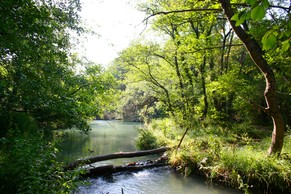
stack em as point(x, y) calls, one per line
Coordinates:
point(235, 156)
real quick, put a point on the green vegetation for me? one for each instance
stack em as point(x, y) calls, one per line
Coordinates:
point(235, 156)
point(28, 161)
point(44, 87)
point(146, 140)
point(218, 80)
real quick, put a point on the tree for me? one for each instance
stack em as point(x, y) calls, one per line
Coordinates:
point(248, 15)
point(43, 86)
point(257, 55)
point(145, 73)
point(37, 69)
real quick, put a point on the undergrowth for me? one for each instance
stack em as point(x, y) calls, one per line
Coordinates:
point(236, 156)
point(28, 160)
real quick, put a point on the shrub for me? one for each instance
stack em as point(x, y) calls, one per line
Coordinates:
point(146, 140)
point(28, 161)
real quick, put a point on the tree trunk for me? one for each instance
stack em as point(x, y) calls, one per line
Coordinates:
point(202, 71)
point(256, 54)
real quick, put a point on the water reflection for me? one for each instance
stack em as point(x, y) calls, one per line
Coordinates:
point(106, 137)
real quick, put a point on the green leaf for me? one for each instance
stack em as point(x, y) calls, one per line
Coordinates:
point(235, 17)
point(266, 4)
point(242, 19)
point(269, 40)
point(250, 1)
point(285, 45)
point(258, 13)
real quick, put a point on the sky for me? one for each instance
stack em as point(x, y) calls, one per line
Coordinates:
point(115, 22)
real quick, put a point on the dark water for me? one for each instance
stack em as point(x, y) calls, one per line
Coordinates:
point(114, 136)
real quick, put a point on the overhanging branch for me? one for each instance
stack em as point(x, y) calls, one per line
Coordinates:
point(214, 47)
point(182, 11)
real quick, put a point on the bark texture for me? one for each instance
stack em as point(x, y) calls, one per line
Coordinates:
point(256, 54)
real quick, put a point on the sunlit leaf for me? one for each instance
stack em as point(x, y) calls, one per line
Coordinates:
point(235, 17)
point(285, 45)
point(243, 16)
point(269, 40)
point(258, 13)
point(250, 1)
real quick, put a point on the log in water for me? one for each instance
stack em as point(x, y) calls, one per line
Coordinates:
point(131, 167)
point(91, 160)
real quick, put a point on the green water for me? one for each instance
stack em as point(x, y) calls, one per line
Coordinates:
point(114, 136)
point(106, 137)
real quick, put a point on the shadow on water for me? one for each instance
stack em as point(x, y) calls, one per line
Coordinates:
point(114, 136)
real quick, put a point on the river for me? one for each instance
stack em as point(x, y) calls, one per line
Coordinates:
point(115, 136)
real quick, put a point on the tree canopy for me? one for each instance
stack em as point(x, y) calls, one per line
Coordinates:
point(44, 86)
point(38, 71)
point(214, 60)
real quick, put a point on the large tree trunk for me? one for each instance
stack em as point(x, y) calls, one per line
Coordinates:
point(256, 54)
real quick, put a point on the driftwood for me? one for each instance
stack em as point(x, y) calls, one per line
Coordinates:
point(131, 167)
point(91, 160)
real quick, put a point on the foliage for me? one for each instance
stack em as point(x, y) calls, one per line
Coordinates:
point(201, 72)
point(38, 71)
point(279, 31)
point(146, 140)
point(234, 156)
point(28, 161)
point(145, 82)
point(209, 84)
point(43, 86)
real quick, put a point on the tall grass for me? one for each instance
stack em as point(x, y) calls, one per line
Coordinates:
point(236, 156)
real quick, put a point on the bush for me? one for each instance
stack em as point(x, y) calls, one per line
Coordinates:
point(28, 160)
point(146, 140)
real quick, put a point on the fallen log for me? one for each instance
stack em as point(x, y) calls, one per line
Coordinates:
point(91, 160)
point(131, 167)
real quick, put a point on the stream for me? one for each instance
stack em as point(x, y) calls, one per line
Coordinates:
point(114, 136)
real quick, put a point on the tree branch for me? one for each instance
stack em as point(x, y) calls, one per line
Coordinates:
point(182, 11)
point(260, 108)
point(214, 47)
point(83, 86)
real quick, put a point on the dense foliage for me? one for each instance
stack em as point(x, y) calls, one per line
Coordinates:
point(43, 87)
point(38, 71)
point(200, 70)
point(29, 161)
point(219, 75)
